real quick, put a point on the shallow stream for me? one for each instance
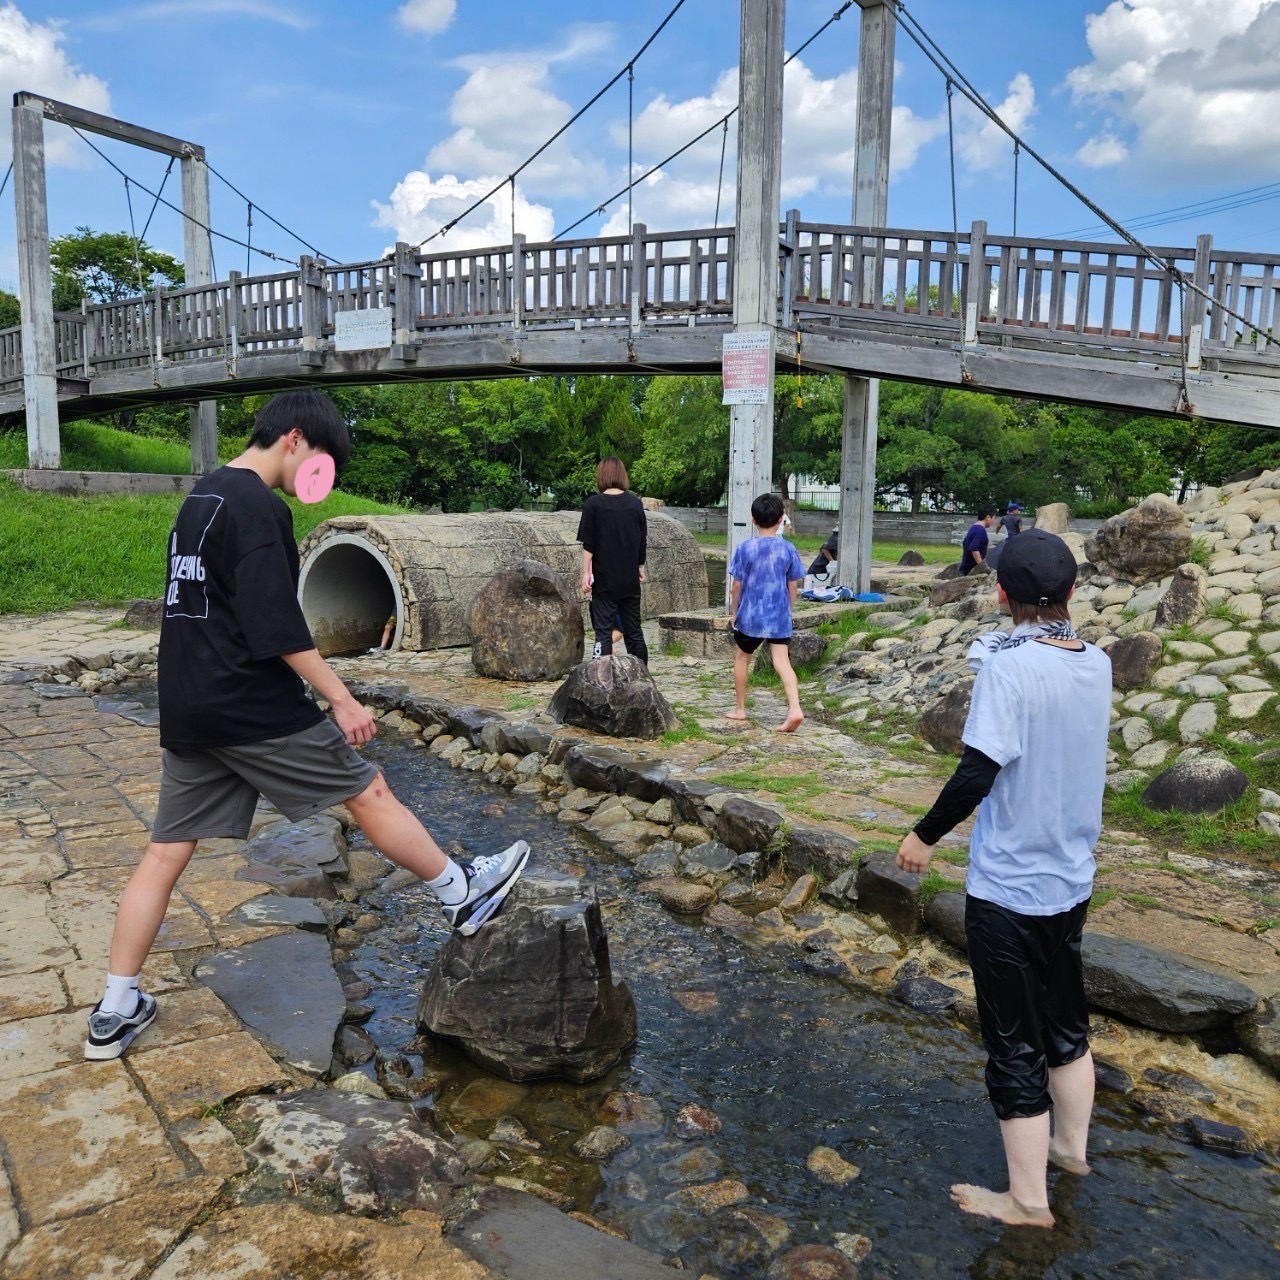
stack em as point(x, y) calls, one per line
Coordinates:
point(788, 1061)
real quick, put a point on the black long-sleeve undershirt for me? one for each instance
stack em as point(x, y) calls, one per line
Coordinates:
point(972, 781)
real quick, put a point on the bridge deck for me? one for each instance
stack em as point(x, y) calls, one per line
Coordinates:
point(1071, 320)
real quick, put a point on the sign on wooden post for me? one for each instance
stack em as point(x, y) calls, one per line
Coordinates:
point(746, 367)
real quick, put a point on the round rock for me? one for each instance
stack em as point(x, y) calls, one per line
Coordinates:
point(1199, 785)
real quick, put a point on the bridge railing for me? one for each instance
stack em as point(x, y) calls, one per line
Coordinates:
point(987, 287)
point(969, 288)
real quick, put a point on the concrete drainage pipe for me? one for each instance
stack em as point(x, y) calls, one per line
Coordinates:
point(358, 570)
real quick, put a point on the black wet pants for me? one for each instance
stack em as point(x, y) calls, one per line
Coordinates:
point(626, 612)
point(1031, 1004)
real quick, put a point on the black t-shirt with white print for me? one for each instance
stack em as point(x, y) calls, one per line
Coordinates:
point(230, 611)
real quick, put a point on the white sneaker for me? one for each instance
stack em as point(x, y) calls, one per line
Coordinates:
point(489, 880)
point(110, 1034)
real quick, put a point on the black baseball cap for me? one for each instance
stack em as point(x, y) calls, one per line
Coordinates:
point(1036, 567)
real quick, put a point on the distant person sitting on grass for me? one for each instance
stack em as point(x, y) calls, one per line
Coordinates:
point(828, 554)
point(1035, 756)
point(235, 718)
point(976, 541)
point(766, 573)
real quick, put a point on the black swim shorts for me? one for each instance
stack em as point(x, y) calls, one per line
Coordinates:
point(1029, 983)
point(749, 644)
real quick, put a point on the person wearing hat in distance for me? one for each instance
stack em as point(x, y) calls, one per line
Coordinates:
point(1011, 521)
point(1034, 764)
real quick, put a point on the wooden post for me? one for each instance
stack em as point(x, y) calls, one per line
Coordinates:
point(790, 266)
point(235, 323)
point(405, 327)
point(973, 303)
point(517, 281)
point(877, 31)
point(639, 273)
point(755, 278)
point(198, 261)
point(1194, 305)
point(39, 351)
point(310, 311)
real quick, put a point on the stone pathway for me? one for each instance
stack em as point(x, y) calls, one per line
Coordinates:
point(128, 1169)
point(107, 1166)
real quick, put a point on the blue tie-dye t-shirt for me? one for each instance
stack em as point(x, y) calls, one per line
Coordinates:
point(764, 567)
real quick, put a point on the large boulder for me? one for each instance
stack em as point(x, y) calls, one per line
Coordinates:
point(1143, 543)
point(1134, 658)
point(1053, 517)
point(1259, 1035)
point(1184, 600)
point(1158, 989)
point(911, 557)
point(886, 890)
point(525, 624)
point(614, 695)
point(532, 993)
point(950, 590)
point(1202, 784)
point(943, 723)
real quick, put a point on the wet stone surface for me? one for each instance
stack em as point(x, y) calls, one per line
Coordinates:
point(776, 1054)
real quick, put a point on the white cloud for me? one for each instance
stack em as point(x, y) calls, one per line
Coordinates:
point(981, 144)
point(1101, 151)
point(32, 58)
point(420, 205)
point(427, 16)
point(119, 19)
point(1193, 80)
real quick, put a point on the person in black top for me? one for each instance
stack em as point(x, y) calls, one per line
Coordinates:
point(827, 555)
point(235, 717)
point(614, 533)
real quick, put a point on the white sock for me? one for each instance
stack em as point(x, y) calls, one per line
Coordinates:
point(121, 995)
point(450, 886)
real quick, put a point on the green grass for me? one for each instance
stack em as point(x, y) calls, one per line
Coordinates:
point(804, 788)
point(522, 702)
point(87, 446)
point(688, 729)
point(884, 552)
point(934, 883)
point(59, 552)
point(1100, 898)
point(674, 649)
point(1200, 553)
point(1222, 609)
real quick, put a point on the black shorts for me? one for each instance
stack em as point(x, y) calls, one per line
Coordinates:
point(1031, 1004)
point(749, 644)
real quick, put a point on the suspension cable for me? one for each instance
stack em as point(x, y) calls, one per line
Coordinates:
point(203, 226)
point(155, 204)
point(949, 70)
point(631, 95)
point(133, 233)
point(724, 142)
point(1016, 149)
point(248, 249)
point(693, 142)
point(573, 119)
point(289, 232)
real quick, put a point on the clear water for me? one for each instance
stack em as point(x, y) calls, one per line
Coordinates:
point(789, 1061)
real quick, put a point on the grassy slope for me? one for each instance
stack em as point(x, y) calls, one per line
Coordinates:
point(58, 552)
point(885, 552)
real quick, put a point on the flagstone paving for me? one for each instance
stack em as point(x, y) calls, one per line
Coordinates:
point(122, 1169)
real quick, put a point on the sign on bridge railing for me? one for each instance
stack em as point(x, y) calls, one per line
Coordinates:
point(368, 330)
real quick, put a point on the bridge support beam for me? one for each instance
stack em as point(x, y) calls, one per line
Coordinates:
point(39, 357)
point(198, 262)
point(755, 282)
point(877, 30)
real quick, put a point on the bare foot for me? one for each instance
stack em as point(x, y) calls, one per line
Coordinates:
point(1068, 1163)
point(999, 1205)
point(792, 723)
point(735, 715)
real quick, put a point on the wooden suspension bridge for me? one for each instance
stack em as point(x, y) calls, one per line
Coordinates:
point(1068, 320)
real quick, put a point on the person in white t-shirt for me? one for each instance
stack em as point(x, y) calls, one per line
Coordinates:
point(1034, 764)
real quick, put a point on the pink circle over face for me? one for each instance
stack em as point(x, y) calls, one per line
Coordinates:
point(314, 479)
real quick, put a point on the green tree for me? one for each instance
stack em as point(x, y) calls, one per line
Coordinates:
point(685, 458)
point(107, 266)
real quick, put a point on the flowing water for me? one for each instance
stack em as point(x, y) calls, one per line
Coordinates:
point(788, 1061)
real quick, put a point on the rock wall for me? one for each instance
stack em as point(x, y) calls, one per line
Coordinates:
point(356, 570)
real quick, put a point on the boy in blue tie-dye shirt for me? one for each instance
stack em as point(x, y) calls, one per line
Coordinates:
point(766, 573)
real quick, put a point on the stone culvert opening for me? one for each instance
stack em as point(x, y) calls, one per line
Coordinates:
point(357, 569)
point(348, 590)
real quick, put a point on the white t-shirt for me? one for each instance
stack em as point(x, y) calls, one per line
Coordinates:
point(1042, 713)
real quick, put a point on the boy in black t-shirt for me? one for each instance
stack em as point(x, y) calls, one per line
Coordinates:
point(235, 718)
point(614, 534)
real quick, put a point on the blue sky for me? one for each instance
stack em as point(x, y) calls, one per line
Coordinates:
point(360, 122)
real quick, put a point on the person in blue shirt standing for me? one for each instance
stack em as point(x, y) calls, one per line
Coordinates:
point(974, 548)
point(766, 573)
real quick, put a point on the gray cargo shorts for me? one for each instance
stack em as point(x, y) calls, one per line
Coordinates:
point(206, 794)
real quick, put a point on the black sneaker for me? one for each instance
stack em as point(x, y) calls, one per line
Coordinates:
point(489, 880)
point(110, 1034)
